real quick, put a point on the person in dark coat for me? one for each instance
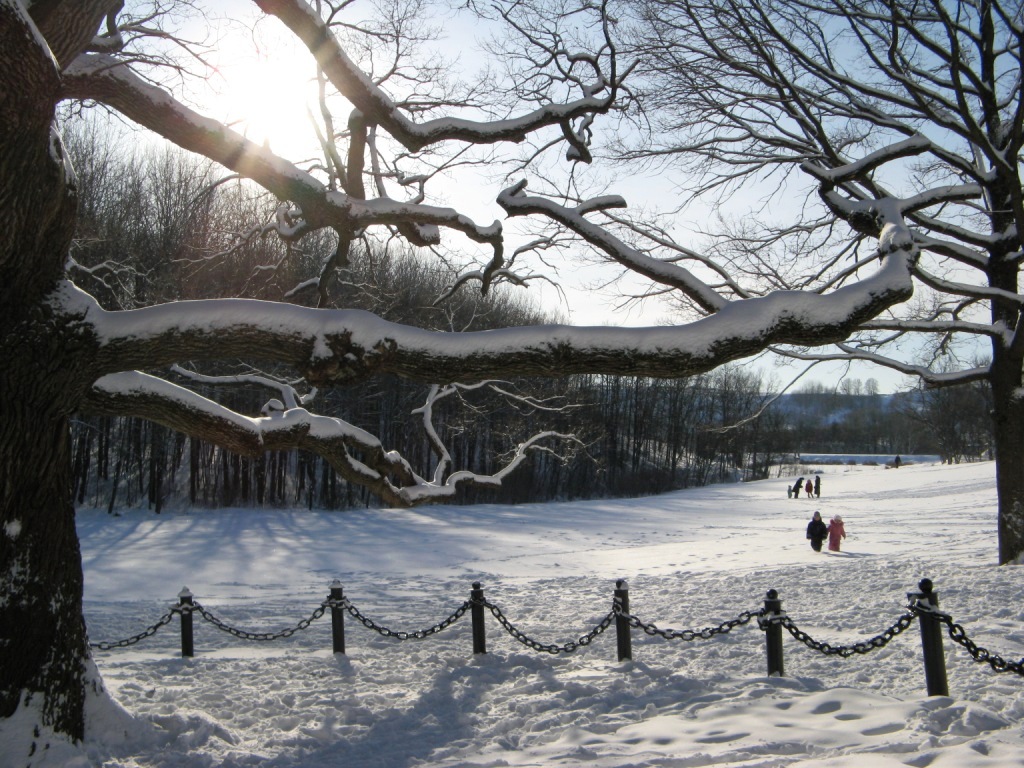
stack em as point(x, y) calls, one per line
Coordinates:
point(816, 531)
point(817, 486)
point(797, 486)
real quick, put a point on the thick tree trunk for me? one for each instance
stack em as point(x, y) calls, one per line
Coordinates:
point(1008, 418)
point(1007, 369)
point(43, 647)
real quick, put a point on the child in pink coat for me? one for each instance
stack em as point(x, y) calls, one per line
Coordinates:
point(836, 531)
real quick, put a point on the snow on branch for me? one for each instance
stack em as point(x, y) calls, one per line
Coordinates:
point(109, 81)
point(379, 108)
point(130, 393)
point(342, 345)
point(432, 492)
point(517, 203)
point(288, 396)
point(966, 289)
point(851, 171)
point(930, 378)
point(356, 455)
point(444, 459)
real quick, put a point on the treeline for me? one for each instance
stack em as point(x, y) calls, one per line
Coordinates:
point(162, 214)
point(953, 423)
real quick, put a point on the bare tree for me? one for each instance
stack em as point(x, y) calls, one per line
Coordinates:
point(851, 130)
point(63, 353)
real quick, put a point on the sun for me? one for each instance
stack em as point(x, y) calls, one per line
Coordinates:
point(266, 93)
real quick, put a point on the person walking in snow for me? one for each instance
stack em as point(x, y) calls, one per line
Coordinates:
point(816, 531)
point(836, 532)
point(809, 488)
point(817, 486)
point(797, 486)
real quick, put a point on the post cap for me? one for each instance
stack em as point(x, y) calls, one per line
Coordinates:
point(476, 585)
point(773, 594)
point(925, 585)
point(335, 584)
point(621, 584)
point(185, 592)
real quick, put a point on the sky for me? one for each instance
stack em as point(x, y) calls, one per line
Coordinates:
point(692, 559)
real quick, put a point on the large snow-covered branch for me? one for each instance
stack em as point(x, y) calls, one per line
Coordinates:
point(131, 393)
point(340, 345)
point(356, 455)
point(105, 79)
point(379, 108)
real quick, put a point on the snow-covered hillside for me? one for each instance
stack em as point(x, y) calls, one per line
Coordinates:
point(692, 559)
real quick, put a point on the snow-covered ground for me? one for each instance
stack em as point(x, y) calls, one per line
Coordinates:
point(692, 559)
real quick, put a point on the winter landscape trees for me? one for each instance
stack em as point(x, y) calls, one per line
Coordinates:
point(851, 108)
point(903, 119)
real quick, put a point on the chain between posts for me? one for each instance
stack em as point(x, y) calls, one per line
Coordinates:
point(129, 641)
point(844, 651)
point(246, 635)
point(980, 654)
point(690, 635)
point(552, 648)
point(442, 625)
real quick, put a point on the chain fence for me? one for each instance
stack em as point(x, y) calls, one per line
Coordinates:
point(982, 655)
point(148, 632)
point(419, 634)
point(573, 645)
point(689, 635)
point(771, 619)
point(845, 651)
point(243, 634)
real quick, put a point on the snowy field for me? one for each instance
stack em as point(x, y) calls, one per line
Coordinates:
point(693, 559)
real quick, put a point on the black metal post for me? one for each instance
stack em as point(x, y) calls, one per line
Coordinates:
point(185, 599)
point(476, 612)
point(337, 617)
point(773, 634)
point(623, 641)
point(931, 639)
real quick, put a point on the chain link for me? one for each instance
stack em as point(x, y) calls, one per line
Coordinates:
point(569, 647)
point(369, 623)
point(148, 632)
point(245, 635)
point(843, 651)
point(689, 635)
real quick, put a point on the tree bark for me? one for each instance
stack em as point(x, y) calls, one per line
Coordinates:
point(43, 647)
point(1008, 415)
